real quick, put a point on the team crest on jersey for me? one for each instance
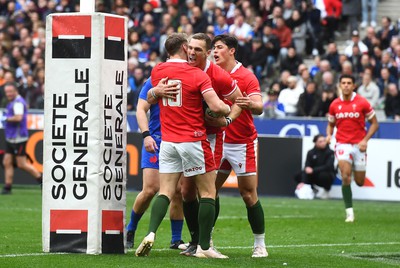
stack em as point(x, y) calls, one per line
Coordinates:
point(340, 107)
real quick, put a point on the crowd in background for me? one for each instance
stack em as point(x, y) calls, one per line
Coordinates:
point(275, 37)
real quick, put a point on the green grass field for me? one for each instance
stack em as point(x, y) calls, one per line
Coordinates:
point(299, 233)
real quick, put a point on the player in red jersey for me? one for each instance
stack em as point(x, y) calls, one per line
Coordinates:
point(199, 49)
point(348, 113)
point(240, 144)
point(184, 147)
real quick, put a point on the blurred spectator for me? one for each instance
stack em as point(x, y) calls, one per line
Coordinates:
point(370, 39)
point(283, 81)
point(272, 45)
point(277, 12)
point(198, 20)
point(135, 83)
point(151, 37)
point(369, 90)
point(351, 9)
point(266, 8)
point(272, 107)
point(397, 60)
point(373, 4)
point(327, 91)
point(388, 62)
point(316, 67)
point(313, 22)
point(330, 22)
point(244, 33)
point(289, 97)
point(288, 9)
point(134, 41)
point(299, 32)
point(384, 80)
point(144, 54)
point(284, 35)
point(386, 32)
point(355, 41)
point(184, 22)
point(309, 101)
point(325, 66)
point(257, 57)
point(332, 56)
point(392, 103)
point(221, 27)
point(291, 62)
point(303, 76)
point(228, 11)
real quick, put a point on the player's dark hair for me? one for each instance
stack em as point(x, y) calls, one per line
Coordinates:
point(347, 76)
point(228, 40)
point(174, 42)
point(204, 37)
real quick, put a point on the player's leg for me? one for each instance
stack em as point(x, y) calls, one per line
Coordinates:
point(191, 212)
point(255, 213)
point(206, 187)
point(176, 218)
point(8, 173)
point(345, 155)
point(360, 166)
point(23, 164)
point(168, 184)
point(345, 168)
point(151, 185)
point(170, 165)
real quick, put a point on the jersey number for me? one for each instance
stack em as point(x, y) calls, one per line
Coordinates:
point(177, 101)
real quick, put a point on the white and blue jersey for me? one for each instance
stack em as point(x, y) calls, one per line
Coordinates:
point(150, 160)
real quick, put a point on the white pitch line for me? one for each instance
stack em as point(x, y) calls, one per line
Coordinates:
point(230, 247)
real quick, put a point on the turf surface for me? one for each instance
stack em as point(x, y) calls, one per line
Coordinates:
point(299, 233)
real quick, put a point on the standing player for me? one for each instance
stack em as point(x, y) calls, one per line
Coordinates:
point(184, 147)
point(348, 113)
point(240, 144)
point(199, 48)
point(16, 132)
point(149, 163)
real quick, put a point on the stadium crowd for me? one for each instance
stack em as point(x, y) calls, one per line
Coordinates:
point(275, 37)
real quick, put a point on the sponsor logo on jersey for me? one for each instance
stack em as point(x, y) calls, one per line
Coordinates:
point(347, 115)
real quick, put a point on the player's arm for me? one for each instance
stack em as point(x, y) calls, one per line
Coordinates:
point(18, 113)
point(374, 126)
point(253, 103)
point(215, 104)
point(141, 115)
point(329, 131)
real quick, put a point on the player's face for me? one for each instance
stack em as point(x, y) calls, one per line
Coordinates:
point(10, 93)
point(197, 52)
point(222, 53)
point(347, 86)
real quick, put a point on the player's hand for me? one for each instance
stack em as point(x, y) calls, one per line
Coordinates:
point(150, 144)
point(328, 139)
point(362, 146)
point(214, 121)
point(165, 89)
point(308, 170)
point(244, 102)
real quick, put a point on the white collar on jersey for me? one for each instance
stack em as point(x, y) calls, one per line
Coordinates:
point(352, 97)
point(237, 66)
point(176, 60)
point(208, 63)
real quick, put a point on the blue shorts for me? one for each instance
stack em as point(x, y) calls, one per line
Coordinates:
point(150, 160)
